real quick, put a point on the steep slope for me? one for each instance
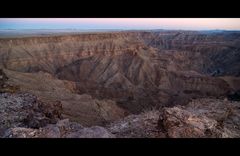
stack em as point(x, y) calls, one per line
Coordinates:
point(207, 53)
point(33, 54)
point(138, 82)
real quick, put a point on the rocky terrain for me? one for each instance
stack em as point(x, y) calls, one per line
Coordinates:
point(121, 84)
point(24, 110)
point(200, 118)
point(62, 129)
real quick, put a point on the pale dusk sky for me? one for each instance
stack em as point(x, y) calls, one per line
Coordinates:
point(121, 23)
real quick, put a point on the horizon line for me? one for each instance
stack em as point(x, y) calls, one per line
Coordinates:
point(120, 29)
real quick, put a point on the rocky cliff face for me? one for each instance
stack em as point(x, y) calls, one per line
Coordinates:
point(207, 53)
point(50, 53)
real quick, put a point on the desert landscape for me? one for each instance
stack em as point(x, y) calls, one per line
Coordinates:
point(120, 84)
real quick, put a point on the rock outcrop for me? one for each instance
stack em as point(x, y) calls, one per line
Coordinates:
point(25, 110)
point(22, 116)
point(62, 129)
point(144, 125)
point(202, 118)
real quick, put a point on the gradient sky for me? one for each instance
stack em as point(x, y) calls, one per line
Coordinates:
point(121, 23)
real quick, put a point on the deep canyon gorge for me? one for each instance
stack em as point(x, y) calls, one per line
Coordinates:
point(121, 84)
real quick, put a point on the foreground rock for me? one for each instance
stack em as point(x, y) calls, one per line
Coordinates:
point(63, 129)
point(23, 115)
point(144, 125)
point(25, 110)
point(202, 118)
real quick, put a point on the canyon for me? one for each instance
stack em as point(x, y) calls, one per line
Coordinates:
point(121, 84)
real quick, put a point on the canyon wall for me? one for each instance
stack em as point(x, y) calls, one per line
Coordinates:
point(137, 70)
